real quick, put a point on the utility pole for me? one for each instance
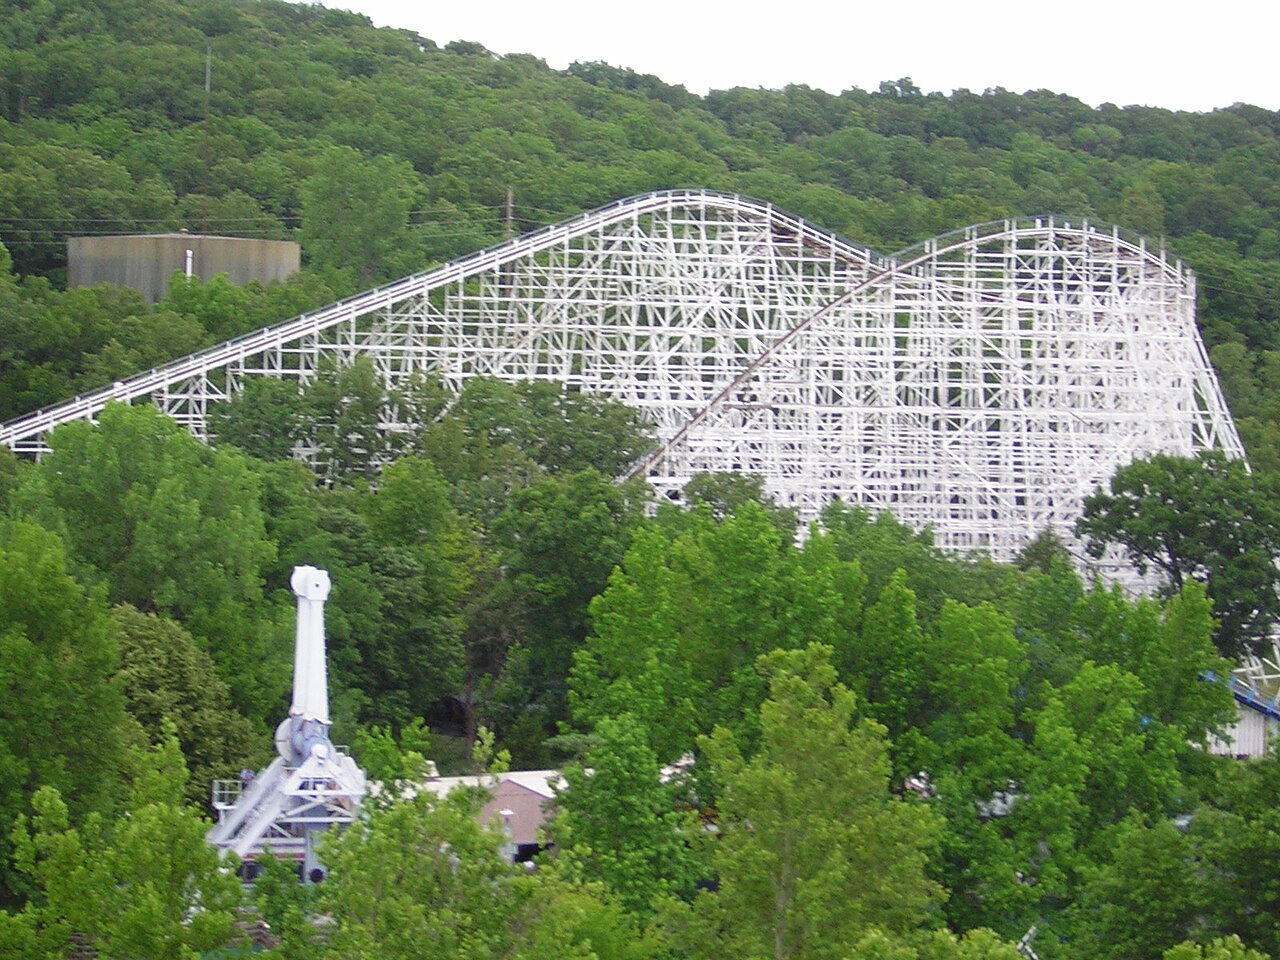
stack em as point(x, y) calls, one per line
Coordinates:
point(509, 223)
point(204, 188)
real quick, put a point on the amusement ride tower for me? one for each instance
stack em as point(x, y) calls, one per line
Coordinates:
point(312, 786)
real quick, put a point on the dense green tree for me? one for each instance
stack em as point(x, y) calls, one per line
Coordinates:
point(424, 871)
point(974, 666)
point(974, 754)
point(219, 305)
point(481, 474)
point(1174, 662)
point(171, 526)
point(725, 493)
point(264, 420)
point(55, 343)
point(1235, 837)
point(342, 409)
point(1205, 519)
point(421, 872)
point(977, 944)
point(560, 538)
point(799, 873)
point(882, 546)
point(284, 905)
point(59, 343)
point(633, 662)
point(62, 717)
point(1222, 948)
point(1142, 900)
point(571, 921)
point(619, 825)
point(750, 592)
point(566, 431)
point(1042, 551)
point(169, 683)
point(482, 582)
point(425, 565)
point(355, 215)
point(1093, 760)
point(10, 468)
point(388, 758)
point(559, 429)
point(886, 664)
point(146, 884)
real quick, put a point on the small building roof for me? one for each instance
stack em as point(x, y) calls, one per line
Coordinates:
point(528, 794)
point(175, 234)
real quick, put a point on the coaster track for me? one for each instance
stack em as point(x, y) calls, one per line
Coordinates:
point(980, 384)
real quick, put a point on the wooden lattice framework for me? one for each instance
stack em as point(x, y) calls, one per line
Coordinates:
point(981, 383)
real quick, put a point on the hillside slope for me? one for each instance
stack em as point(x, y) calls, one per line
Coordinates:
point(382, 152)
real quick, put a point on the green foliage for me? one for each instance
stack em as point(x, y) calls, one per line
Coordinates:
point(1142, 899)
point(564, 921)
point(1175, 662)
point(633, 662)
point(724, 494)
point(499, 568)
point(562, 430)
point(264, 420)
point(283, 902)
point(59, 343)
point(340, 412)
point(1235, 840)
point(887, 662)
point(146, 884)
point(218, 306)
point(750, 593)
point(560, 538)
point(1042, 551)
point(798, 875)
point(388, 758)
point(170, 683)
point(973, 749)
point(104, 119)
point(1206, 519)
point(882, 546)
point(63, 724)
point(976, 944)
point(168, 525)
point(619, 826)
point(422, 872)
point(427, 556)
point(497, 437)
point(355, 214)
point(10, 468)
point(1223, 948)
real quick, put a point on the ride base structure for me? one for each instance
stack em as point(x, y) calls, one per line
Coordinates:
point(312, 786)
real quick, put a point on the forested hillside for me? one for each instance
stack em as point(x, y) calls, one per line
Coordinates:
point(383, 153)
point(896, 754)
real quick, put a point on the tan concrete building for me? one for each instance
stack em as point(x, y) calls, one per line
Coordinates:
point(146, 263)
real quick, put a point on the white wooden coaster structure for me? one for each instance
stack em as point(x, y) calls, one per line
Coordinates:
point(980, 384)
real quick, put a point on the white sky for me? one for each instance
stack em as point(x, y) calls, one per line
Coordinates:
point(1166, 53)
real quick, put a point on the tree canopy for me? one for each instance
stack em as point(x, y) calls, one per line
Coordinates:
point(849, 747)
point(1205, 518)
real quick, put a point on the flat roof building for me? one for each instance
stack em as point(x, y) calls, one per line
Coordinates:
point(147, 262)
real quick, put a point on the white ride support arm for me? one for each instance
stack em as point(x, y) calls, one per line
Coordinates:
point(310, 679)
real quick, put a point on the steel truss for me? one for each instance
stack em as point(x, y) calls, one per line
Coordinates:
point(980, 384)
